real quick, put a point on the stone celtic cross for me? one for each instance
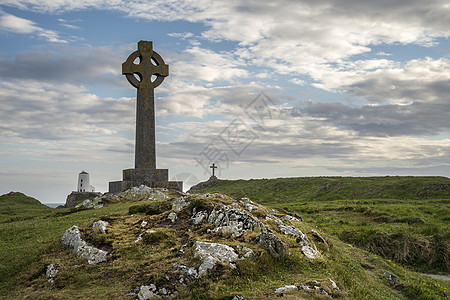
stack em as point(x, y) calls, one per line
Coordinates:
point(145, 75)
point(151, 71)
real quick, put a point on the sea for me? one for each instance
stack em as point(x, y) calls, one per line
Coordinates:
point(53, 205)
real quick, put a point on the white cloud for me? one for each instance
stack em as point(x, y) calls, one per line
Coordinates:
point(15, 24)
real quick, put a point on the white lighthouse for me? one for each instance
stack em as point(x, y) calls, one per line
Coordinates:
point(84, 185)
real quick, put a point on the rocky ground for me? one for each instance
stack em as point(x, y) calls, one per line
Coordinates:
point(192, 235)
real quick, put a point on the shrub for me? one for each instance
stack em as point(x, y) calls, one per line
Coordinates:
point(152, 208)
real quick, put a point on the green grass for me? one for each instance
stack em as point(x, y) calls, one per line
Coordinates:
point(400, 218)
point(27, 245)
point(17, 206)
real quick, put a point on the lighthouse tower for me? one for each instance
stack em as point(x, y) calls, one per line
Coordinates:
point(84, 185)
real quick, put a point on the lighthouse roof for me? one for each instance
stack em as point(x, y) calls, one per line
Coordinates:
point(83, 172)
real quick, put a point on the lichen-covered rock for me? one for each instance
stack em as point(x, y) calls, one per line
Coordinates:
point(72, 240)
point(245, 252)
point(100, 225)
point(185, 270)
point(178, 204)
point(290, 218)
point(144, 191)
point(91, 254)
point(172, 217)
point(286, 288)
point(273, 244)
point(198, 217)
point(51, 273)
point(289, 230)
point(147, 292)
point(221, 252)
point(234, 221)
point(308, 248)
point(91, 203)
point(319, 237)
point(206, 265)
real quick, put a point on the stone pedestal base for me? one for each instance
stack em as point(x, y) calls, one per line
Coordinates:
point(154, 178)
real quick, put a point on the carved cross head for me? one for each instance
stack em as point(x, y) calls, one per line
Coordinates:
point(150, 70)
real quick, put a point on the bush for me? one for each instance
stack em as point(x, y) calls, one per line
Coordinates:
point(153, 208)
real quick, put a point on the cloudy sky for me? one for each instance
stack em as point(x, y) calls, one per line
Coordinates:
point(262, 88)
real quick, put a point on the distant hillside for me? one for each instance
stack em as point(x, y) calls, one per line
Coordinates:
point(331, 188)
point(401, 218)
point(15, 205)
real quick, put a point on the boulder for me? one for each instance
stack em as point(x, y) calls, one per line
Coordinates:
point(198, 217)
point(91, 203)
point(72, 240)
point(290, 218)
point(206, 265)
point(286, 288)
point(185, 270)
point(234, 221)
point(178, 204)
point(245, 252)
point(101, 225)
point(308, 248)
point(289, 230)
point(220, 252)
point(172, 216)
point(147, 292)
point(273, 244)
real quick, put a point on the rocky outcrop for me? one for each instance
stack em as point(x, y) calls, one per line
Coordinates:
point(76, 197)
point(220, 252)
point(100, 225)
point(144, 191)
point(72, 240)
point(234, 221)
point(308, 248)
point(91, 203)
point(274, 246)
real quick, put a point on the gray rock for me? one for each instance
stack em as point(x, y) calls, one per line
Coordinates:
point(272, 217)
point(72, 240)
point(91, 254)
point(245, 252)
point(206, 265)
point(308, 248)
point(51, 273)
point(220, 252)
point(238, 297)
point(144, 223)
point(333, 286)
point(286, 288)
point(91, 203)
point(178, 204)
point(172, 216)
point(198, 217)
point(290, 218)
point(101, 225)
point(289, 230)
point(147, 292)
point(318, 236)
point(144, 191)
point(185, 270)
point(234, 221)
point(273, 244)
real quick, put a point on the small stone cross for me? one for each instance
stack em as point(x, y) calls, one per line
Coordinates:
point(151, 71)
point(213, 167)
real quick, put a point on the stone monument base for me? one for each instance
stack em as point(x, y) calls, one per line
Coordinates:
point(154, 178)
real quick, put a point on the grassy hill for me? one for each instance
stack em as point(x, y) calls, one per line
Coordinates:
point(29, 244)
point(401, 218)
point(16, 206)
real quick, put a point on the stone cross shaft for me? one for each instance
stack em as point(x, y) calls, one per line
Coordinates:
point(151, 71)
